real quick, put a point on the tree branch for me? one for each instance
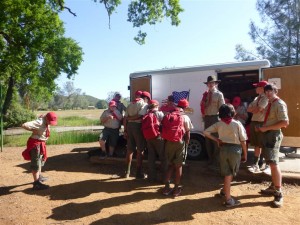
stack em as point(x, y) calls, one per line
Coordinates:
point(62, 7)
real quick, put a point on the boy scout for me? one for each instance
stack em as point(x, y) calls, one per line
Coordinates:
point(276, 117)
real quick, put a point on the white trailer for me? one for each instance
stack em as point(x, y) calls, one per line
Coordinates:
point(236, 79)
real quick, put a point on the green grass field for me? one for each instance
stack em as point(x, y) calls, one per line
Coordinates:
point(67, 118)
point(87, 113)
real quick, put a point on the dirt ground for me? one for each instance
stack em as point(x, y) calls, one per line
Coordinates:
point(86, 193)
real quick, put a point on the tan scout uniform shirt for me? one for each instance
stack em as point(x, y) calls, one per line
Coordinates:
point(260, 101)
point(136, 108)
point(187, 123)
point(277, 113)
point(111, 123)
point(217, 100)
point(232, 133)
point(40, 126)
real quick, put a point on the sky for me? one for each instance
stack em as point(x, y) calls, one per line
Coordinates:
point(208, 33)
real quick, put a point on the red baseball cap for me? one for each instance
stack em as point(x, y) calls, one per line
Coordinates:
point(138, 93)
point(112, 103)
point(262, 83)
point(146, 94)
point(153, 102)
point(52, 118)
point(183, 103)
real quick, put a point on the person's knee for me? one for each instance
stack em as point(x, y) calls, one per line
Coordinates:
point(102, 142)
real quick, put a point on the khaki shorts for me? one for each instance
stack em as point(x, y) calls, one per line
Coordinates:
point(36, 159)
point(271, 145)
point(135, 138)
point(230, 159)
point(255, 137)
point(174, 152)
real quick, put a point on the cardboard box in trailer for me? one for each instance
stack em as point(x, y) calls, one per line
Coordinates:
point(236, 79)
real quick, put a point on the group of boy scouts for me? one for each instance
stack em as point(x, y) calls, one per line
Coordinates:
point(226, 137)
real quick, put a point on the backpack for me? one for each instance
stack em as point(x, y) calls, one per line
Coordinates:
point(172, 127)
point(150, 126)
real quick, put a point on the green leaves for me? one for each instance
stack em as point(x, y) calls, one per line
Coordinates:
point(279, 39)
point(141, 12)
point(34, 51)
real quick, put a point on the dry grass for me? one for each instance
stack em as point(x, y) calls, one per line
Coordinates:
point(87, 113)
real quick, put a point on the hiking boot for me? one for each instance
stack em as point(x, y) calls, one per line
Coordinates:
point(267, 170)
point(254, 169)
point(222, 194)
point(268, 191)
point(126, 174)
point(231, 203)
point(102, 155)
point(37, 185)
point(42, 178)
point(278, 199)
point(177, 191)
point(167, 191)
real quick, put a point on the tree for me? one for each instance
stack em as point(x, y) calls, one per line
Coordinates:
point(33, 50)
point(101, 104)
point(279, 40)
point(140, 12)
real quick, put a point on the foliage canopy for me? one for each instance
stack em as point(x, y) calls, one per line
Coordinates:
point(279, 39)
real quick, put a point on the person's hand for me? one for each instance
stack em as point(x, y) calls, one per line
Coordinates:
point(262, 129)
point(244, 159)
point(219, 142)
point(111, 117)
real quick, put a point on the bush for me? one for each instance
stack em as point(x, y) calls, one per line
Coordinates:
point(16, 116)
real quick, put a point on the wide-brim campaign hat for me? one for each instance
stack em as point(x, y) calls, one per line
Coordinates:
point(212, 79)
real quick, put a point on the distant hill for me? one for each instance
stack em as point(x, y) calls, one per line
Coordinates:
point(91, 100)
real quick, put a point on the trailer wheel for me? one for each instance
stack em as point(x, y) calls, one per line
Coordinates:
point(196, 149)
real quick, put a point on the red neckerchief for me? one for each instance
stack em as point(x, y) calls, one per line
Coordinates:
point(269, 109)
point(114, 115)
point(209, 98)
point(202, 104)
point(227, 120)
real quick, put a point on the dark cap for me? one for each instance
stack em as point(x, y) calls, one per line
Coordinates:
point(171, 98)
point(212, 79)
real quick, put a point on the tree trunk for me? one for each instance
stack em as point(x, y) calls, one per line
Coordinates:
point(8, 96)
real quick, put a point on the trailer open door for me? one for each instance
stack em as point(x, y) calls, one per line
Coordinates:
point(287, 79)
point(140, 83)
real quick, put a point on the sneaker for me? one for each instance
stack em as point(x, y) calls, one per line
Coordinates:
point(37, 185)
point(267, 170)
point(177, 191)
point(278, 199)
point(42, 178)
point(254, 169)
point(268, 191)
point(231, 203)
point(102, 155)
point(167, 191)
